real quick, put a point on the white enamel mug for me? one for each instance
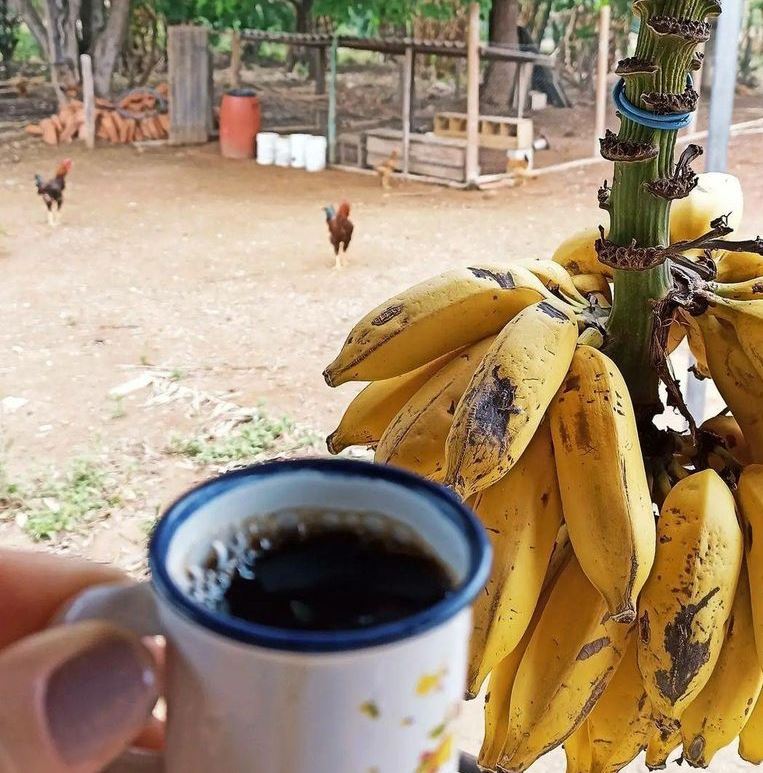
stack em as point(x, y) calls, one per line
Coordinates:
point(246, 698)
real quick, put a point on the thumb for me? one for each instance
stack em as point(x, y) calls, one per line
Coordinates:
point(73, 698)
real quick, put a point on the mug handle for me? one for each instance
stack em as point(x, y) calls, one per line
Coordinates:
point(130, 606)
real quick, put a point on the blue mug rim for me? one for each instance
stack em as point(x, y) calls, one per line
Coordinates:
point(448, 504)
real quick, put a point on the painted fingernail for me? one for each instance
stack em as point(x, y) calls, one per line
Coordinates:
point(101, 695)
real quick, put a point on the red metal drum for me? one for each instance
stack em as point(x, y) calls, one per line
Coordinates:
point(239, 123)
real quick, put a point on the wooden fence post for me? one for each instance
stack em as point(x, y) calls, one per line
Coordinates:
point(88, 99)
point(602, 70)
point(473, 95)
point(189, 80)
point(407, 93)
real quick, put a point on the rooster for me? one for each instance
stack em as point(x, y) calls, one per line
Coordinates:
point(340, 229)
point(52, 191)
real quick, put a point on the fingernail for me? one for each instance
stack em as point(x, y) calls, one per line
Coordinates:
point(102, 694)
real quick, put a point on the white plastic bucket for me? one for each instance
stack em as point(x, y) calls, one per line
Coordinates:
point(298, 146)
point(283, 151)
point(315, 154)
point(266, 147)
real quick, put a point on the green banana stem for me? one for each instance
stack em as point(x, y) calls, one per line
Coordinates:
point(664, 55)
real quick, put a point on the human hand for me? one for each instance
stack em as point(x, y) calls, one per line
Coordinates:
point(73, 696)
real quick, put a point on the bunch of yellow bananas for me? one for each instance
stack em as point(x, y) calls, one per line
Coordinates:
point(598, 628)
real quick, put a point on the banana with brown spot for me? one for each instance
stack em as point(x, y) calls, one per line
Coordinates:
point(508, 396)
point(415, 438)
point(725, 430)
point(571, 658)
point(718, 714)
point(577, 750)
point(605, 493)
point(432, 318)
point(751, 737)
point(750, 499)
point(688, 598)
point(503, 676)
point(369, 414)
point(621, 721)
point(662, 743)
point(736, 378)
point(522, 514)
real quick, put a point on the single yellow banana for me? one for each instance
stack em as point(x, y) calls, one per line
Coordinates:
point(662, 743)
point(718, 714)
point(605, 493)
point(750, 499)
point(739, 266)
point(695, 341)
point(684, 605)
point(751, 290)
point(746, 317)
point(577, 254)
point(555, 278)
point(714, 195)
point(726, 429)
point(415, 438)
point(736, 378)
point(577, 749)
point(751, 737)
point(503, 676)
point(370, 413)
point(522, 513)
point(508, 396)
point(433, 318)
point(594, 284)
point(621, 721)
point(570, 659)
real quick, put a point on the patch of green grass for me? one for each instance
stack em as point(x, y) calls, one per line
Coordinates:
point(262, 435)
point(11, 494)
point(66, 503)
point(178, 375)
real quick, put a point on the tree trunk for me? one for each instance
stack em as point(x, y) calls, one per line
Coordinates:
point(92, 18)
point(26, 10)
point(302, 10)
point(63, 46)
point(499, 82)
point(108, 46)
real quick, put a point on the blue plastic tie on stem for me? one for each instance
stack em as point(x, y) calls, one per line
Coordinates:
point(670, 122)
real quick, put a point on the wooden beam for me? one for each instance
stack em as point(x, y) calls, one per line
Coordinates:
point(602, 70)
point(88, 99)
point(472, 169)
point(190, 73)
point(407, 90)
point(235, 59)
point(332, 103)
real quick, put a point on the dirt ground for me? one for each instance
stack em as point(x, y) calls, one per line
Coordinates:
point(203, 291)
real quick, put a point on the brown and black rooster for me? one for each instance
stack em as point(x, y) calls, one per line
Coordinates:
point(340, 229)
point(52, 191)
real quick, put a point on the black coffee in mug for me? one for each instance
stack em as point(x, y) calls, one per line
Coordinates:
point(321, 571)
